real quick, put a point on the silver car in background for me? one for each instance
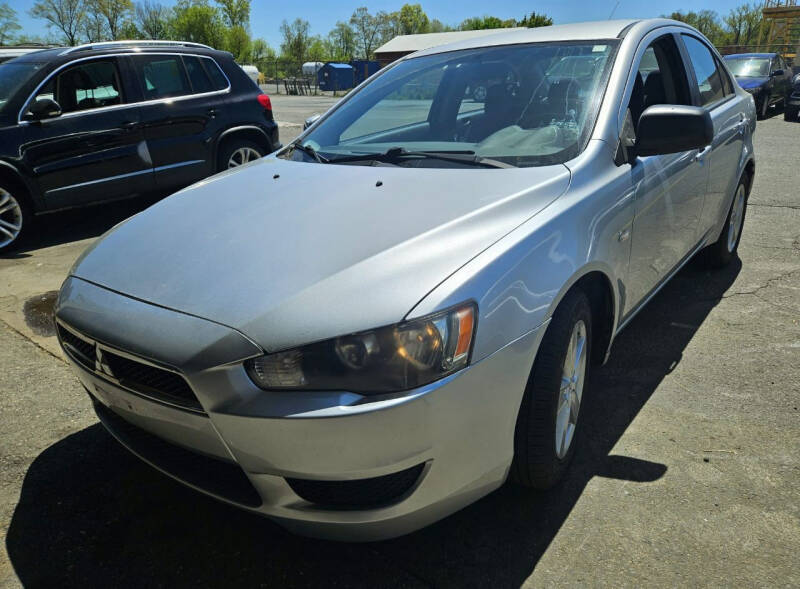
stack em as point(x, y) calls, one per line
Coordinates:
point(385, 320)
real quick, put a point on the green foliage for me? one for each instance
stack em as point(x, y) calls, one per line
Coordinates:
point(295, 39)
point(341, 42)
point(237, 41)
point(8, 23)
point(485, 22)
point(236, 12)
point(741, 26)
point(413, 20)
point(367, 28)
point(112, 14)
point(198, 21)
point(535, 20)
point(705, 21)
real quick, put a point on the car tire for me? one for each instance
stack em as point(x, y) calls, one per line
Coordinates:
point(763, 109)
point(548, 420)
point(16, 216)
point(720, 253)
point(237, 152)
point(790, 113)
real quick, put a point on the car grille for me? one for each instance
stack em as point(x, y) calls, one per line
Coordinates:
point(358, 494)
point(135, 376)
point(211, 475)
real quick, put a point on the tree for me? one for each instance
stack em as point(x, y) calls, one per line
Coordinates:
point(744, 25)
point(262, 55)
point(341, 42)
point(65, 15)
point(237, 41)
point(438, 26)
point(8, 23)
point(295, 39)
point(94, 27)
point(535, 20)
point(485, 22)
point(197, 21)
point(367, 29)
point(235, 12)
point(413, 20)
point(129, 30)
point(317, 50)
point(152, 19)
point(113, 12)
point(705, 21)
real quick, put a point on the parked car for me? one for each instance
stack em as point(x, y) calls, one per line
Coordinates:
point(100, 122)
point(793, 102)
point(764, 75)
point(385, 320)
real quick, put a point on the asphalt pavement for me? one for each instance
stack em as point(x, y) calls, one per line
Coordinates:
point(688, 472)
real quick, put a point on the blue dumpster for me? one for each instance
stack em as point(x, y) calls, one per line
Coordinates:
point(335, 76)
point(363, 69)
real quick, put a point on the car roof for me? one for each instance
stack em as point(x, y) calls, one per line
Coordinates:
point(65, 54)
point(737, 55)
point(582, 31)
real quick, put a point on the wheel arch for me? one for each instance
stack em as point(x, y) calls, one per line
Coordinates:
point(10, 173)
point(246, 132)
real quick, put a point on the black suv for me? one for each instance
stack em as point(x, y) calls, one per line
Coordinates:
point(106, 121)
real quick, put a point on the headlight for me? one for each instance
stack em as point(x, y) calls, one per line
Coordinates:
point(388, 359)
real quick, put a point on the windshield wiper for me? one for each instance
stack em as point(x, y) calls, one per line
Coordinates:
point(308, 150)
point(396, 153)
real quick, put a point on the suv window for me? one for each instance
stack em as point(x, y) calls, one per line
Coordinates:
point(218, 79)
point(162, 76)
point(197, 75)
point(709, 80)
point(89, 85)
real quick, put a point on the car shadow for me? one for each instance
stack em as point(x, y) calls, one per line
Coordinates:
point(89, 513)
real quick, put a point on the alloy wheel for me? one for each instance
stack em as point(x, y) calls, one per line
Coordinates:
point(572, 380)
point(736, 218)
point(10, 218)
point(242, 156)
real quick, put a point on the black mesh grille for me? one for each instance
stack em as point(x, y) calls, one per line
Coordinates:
point(81, 350)
point(150, 380)
point(214, 476)
point(358, 494)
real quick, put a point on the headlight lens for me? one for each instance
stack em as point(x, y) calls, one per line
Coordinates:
point(394, 358)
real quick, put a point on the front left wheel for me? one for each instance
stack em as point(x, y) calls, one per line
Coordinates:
point(548, 420)
point(16, 216)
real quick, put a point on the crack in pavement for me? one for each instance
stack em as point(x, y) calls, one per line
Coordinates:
point(771, 206)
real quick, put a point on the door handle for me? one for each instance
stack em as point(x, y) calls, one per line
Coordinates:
point(701, 155)
point(212, 112)
point(128, 125)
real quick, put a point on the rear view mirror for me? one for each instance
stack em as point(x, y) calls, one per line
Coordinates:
point(44, 108)
point(666, 128)
point(777, 73)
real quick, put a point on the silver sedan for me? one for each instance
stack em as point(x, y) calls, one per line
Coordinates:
point(385, 320)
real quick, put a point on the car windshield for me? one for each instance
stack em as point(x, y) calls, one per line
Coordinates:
point(517, 105)
point(749, 67)
point(13, 76)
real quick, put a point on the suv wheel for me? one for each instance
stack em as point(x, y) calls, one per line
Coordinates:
point(238, 152)
point(15, 216)
point(547, 424)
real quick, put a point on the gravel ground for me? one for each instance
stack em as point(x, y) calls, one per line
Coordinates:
point(688, 472)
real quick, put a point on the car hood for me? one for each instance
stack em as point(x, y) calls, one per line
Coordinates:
point(747, 83)
point(291, 252)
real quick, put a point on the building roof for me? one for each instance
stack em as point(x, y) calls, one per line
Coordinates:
point(339, 66)
point(410, 43)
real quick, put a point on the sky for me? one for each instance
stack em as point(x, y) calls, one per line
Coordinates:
point(266, 15)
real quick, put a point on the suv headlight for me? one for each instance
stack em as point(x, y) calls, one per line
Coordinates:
point(388, 359)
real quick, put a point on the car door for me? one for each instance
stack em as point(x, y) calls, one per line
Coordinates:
point(182, 113)
point(95, 149)
point(713, 91)
point(783, 79)
point(669, 189)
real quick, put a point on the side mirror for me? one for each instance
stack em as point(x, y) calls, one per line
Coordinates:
point(311, 120)
point(44, 108)
point(666, 128)
point(776, 73)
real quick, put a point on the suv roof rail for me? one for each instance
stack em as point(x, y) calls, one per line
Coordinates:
point(132, 44)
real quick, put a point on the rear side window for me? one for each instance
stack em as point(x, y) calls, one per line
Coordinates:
point(162, 76)
point(197, 75)
point(709, 79)
point(218, 79)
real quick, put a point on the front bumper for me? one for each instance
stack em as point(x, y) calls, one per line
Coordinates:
point(245, 446)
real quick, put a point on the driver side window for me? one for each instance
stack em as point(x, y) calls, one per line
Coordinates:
point(90, 85)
